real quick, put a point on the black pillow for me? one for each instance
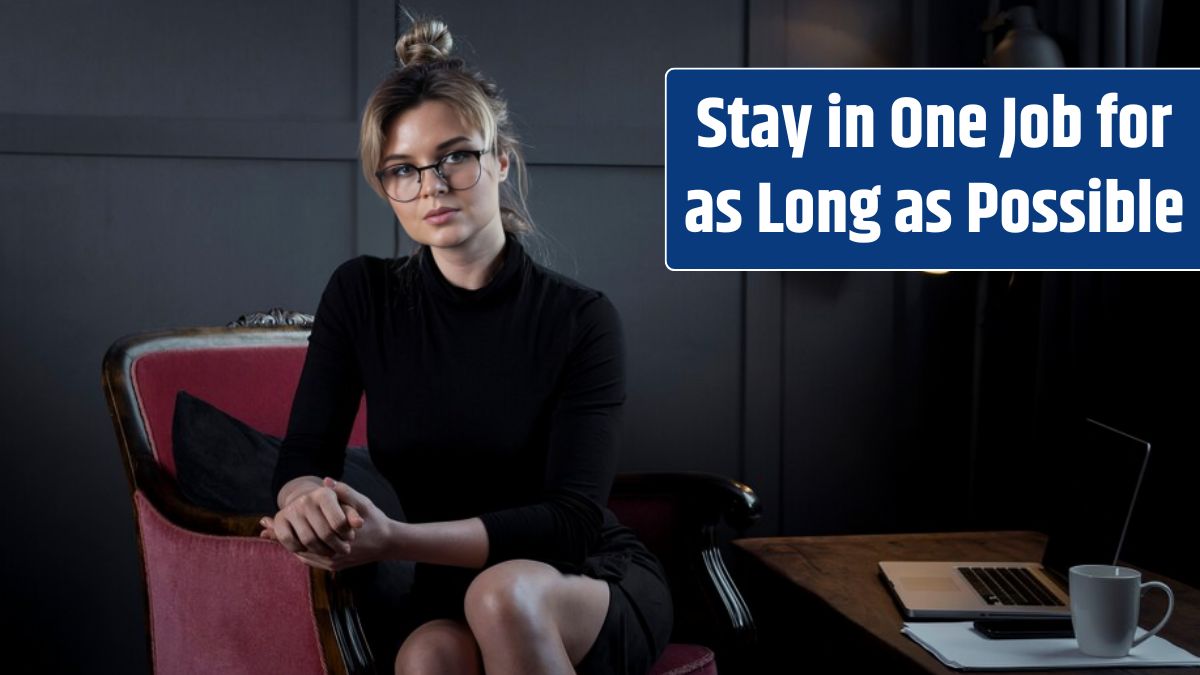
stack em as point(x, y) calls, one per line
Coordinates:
point(225, 465)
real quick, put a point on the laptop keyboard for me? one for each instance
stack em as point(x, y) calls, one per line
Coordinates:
point(1009, 586)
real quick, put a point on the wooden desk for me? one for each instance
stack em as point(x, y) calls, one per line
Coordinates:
point(821, 601)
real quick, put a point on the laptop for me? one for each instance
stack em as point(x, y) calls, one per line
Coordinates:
point(1103, 472)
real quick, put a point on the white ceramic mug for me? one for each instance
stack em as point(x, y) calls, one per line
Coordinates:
point(1105, 600)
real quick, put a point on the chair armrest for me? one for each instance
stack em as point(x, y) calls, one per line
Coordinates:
point(706, 497)
point(676, 515)
point(163, 491)
point(339, 629)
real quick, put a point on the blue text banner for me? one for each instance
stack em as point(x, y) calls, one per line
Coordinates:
point(797, 169)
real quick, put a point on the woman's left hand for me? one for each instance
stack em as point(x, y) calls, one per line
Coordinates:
point(372, 536)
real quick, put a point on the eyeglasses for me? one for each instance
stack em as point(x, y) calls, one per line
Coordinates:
point(459, 170)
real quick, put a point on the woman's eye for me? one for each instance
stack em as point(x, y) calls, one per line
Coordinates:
point(399, 171)
point(455, 157)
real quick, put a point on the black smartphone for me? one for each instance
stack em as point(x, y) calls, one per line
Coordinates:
point(1000, 629)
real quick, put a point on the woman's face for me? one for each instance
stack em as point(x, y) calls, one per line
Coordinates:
point(423, 135)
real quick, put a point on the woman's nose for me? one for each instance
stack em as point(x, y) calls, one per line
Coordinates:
point(432, 184)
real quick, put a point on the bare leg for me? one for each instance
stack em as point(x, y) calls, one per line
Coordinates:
point(440, 647)
point(528, 618)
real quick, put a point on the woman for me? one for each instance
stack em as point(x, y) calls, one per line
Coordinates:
point(494, 387)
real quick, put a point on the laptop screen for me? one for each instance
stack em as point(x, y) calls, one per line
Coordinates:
point(1103, 470)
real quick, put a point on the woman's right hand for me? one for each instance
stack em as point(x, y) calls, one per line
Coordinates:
point(313, 521)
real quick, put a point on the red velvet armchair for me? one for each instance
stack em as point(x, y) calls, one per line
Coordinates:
point(221, 600)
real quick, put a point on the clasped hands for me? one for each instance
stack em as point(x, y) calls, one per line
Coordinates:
point(332, 527)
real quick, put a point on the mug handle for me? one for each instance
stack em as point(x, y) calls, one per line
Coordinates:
point(1170, 606)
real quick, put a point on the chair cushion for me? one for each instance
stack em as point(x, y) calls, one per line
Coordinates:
point(680, 659)
point(225, 465)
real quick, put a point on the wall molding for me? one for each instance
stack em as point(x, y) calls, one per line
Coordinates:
point(177, 137)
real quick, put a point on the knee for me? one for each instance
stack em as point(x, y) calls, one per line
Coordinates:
point(436, 652)
point(504, 598)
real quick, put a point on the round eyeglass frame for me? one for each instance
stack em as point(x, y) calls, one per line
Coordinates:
point(437, 168)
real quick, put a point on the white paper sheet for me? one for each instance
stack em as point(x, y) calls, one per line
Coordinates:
point(960, 646)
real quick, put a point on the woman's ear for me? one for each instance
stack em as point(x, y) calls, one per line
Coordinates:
point(503, 161)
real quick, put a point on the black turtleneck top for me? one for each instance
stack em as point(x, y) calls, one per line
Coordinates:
point(502, 402)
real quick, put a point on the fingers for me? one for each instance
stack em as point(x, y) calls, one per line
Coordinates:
point(325, 534)
point(321, 522)
point(334, 564)
point(312, 559)
point(353, 502)
point(354, 519)
point(268, 525)
point(316, 561)
point(306, 540)
point(268, 533)
point(348, 495)
point(282, 533)
point(335, 516)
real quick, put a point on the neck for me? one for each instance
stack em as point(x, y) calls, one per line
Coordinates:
point(474, 266)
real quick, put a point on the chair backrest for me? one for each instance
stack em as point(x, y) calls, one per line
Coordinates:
point(250, 373)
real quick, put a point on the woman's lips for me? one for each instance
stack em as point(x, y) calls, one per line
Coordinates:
point(439, 216)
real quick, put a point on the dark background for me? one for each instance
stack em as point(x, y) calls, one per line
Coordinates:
point(167, 164)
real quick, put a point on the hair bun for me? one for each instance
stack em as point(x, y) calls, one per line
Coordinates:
point(426, 41)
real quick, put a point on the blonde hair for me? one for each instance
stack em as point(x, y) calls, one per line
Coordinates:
point(427, 72)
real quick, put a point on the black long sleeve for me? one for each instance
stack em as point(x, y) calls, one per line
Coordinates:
point(502, 403)
point(564, 524)
point(328, 394)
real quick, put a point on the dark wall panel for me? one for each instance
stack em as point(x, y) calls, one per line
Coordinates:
point(838, 377)
point(225, 59)
point(137, 244)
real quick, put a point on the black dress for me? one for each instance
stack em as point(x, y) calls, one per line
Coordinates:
point(501, 403)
